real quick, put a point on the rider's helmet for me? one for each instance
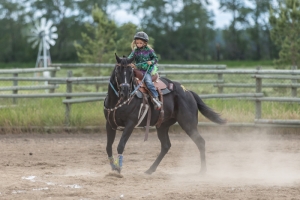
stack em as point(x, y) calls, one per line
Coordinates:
point(141, 35)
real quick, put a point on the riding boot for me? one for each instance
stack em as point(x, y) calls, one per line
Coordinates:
point(158, 103)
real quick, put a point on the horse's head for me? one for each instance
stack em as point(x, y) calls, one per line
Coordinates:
point(124, 76)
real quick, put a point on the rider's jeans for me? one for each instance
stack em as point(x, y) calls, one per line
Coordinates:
point(150, 86)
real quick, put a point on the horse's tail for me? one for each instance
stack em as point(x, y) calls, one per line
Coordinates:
point(207, 111)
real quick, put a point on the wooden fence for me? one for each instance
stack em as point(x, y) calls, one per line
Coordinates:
point(257, 96)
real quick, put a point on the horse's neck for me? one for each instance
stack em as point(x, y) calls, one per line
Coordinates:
point(111, 99)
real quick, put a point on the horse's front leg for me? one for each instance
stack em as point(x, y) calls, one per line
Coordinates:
point(121, 146)
point(110, 134)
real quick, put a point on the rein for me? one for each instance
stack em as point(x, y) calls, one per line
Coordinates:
point(119, 104)
point(136, 88)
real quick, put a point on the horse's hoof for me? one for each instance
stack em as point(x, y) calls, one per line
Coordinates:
point(149, 171)
point(118, 170)
point(202, 172)
point(114, 174)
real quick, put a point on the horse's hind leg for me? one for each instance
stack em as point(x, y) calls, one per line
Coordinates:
point(200, 142)
point(193, 133)
point(163, 136)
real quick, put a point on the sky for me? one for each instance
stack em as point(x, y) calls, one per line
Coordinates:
point(221, 19)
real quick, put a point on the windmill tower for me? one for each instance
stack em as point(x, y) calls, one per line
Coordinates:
point(43, 34)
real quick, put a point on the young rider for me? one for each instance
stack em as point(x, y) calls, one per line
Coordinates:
point(145, 59)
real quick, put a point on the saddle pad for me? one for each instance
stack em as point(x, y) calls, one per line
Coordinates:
point(157, 84)
point(139, 94)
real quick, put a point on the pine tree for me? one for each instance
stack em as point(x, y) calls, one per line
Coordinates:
point(125, 37)
point(98, 43)
point(285, 31)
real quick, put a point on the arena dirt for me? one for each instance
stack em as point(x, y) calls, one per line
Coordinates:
point(247, 165)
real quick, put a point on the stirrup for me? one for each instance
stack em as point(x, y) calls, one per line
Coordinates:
point(158, 103)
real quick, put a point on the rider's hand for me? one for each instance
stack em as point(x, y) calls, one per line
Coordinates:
point(149, 62)
point(133, 66)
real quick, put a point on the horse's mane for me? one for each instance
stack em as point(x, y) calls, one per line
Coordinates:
point(124, 61)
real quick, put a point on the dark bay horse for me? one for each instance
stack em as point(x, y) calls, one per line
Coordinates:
point(121, 109)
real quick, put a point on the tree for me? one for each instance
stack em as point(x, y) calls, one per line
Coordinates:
point(99, 41)
point(12, 41)
point(285, 23)
point(98, 44)
point(182, 28)
point(125, 35)
point(195, 32)
point(69, 25)
point(234, 35)
point(259, 31)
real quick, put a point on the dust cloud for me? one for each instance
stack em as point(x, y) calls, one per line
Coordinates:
point(242, 158)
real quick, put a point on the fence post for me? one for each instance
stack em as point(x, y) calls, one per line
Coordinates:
point(220, 88)
point(258, 102)
point(68, 105)
point(15, 83)
point(53, 74)
point(294, 81)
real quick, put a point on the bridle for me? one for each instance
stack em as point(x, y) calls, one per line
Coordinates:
point(121, 86)
point(125, 84)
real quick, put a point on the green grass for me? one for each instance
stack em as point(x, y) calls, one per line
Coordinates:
point(51, 111)
point(235, 110)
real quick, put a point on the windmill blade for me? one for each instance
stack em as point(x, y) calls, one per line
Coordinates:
point(37, 27)
point(48, 24)
point(35, 44)
point(51, 42)
point(47, 45)
point(54, 36)
point(31, 39)
point(35, 31)
point(43, 23)
point(46, 31)
point(47, 38)
point(53, 29)
point(32, 35)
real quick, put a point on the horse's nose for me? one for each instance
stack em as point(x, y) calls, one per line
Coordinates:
point(124, 90)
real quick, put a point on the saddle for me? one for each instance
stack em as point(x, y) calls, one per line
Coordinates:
point(158, 84)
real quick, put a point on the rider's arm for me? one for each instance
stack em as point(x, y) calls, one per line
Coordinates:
point(153, 57)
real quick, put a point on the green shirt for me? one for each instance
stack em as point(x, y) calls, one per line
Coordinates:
point(142, 55)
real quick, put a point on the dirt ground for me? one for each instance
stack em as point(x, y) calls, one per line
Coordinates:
point(249, 165)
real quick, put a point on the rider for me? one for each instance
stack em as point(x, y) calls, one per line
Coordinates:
point(145, 59)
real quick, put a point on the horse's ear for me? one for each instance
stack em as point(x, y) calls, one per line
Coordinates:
point(131, 59)
point(117, 58)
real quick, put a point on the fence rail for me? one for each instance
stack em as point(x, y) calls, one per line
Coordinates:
point(22, 71)
point(258, 97)
point(274, 121)
point(245, 85)
point(46, 87)
point(233, 71)
point(51, 95)
point(110, 65)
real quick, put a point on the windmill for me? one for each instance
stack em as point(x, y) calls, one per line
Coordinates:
point(43, 34)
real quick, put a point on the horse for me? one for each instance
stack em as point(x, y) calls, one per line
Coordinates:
point(121, 109)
